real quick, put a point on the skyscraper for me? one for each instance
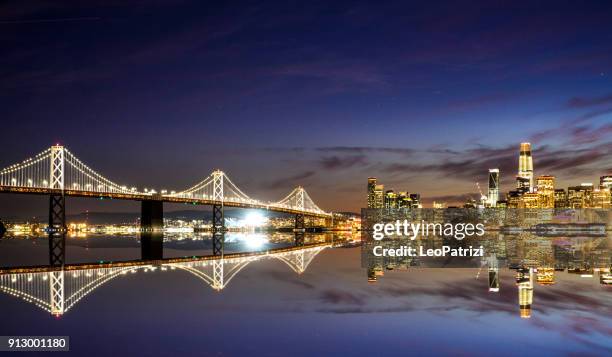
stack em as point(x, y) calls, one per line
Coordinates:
point(605, 182)
point(546, 191)
point(524, 280)
point(493, 194)
point(390, 200)
point(371, 194)
point(379, 196)
point(524, 179)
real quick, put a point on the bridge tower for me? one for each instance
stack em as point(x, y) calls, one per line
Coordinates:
point(218, 220)
point(56, 286)
point(57, 208)
point(151, 229)
point(300, 225)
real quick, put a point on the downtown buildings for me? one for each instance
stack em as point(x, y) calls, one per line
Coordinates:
point(541, 192)
point(379, 198)
point(531, 191)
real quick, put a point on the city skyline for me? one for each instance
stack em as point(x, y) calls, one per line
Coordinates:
point(428, 98)
point(529, 191)
point(189, 177)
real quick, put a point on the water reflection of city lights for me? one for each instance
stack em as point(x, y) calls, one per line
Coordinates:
point(255, 240)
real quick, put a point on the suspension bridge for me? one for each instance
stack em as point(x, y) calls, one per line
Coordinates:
point(58, 289)
point(58, 173)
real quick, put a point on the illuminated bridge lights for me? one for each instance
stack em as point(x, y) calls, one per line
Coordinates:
point(57, 171)
point(37, 287)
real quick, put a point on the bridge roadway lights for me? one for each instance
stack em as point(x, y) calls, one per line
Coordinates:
point(151, 229)
point(57, 230)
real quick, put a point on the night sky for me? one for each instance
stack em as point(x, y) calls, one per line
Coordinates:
point(322, 94)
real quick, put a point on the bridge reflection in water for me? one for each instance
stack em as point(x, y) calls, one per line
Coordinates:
point(58, 289)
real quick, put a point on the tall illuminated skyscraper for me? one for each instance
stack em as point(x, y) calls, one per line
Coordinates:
point(524, 280)
point(390, 199)
point(546, 191)
point(524, 179)
point(493, 273)
point(371, 191)
point(605, 182)
point(493, 194)
point(379, 196)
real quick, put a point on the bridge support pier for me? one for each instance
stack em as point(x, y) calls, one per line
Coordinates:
point(218, 241)
point(218, 230)
point(299, 239)
point(57, 230)
point(151, 229)
point(299, 229)
point(218, 221)
point(300, 225)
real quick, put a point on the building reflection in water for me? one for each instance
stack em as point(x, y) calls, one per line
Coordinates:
point(535, 260)
point(537, 245)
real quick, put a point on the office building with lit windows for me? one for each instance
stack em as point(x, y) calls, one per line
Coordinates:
point(546, 191)
point(524, 178)
point(493, 193)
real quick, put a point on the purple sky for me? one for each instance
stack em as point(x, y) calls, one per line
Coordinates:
point(321, 94)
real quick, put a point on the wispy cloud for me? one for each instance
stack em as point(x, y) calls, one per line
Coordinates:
point(342, 162)
point(583, 102)
point(290, 181)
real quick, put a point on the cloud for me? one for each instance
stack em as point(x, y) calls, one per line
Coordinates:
point(342, 162)
point(582, 102)
point(334, 296)
point(453, 199)
point(343, 74)
point(290, 181)
point(367, 149)
point(473, 163)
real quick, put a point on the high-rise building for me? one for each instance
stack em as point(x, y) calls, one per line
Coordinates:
point(379, 196)
point(546, 191)
point(560, 198)
point(525, 171)
point(524, 280)
point(403, 200)
point(513, 199)
point(390, 200)
point(371, 194)
point(580, 196)
point(493, 274)
point(493, 194)
point(601, 198)
point(415, 199)
point(529, 200)
point(605, 182)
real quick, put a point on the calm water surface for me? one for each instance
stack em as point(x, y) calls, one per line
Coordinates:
point(271, 308)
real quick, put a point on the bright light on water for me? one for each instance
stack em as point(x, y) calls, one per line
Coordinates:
point(255, 219)
point(256, 240)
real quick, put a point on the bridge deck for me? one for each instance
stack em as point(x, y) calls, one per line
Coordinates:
point(135, 263)
point(164, 198)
